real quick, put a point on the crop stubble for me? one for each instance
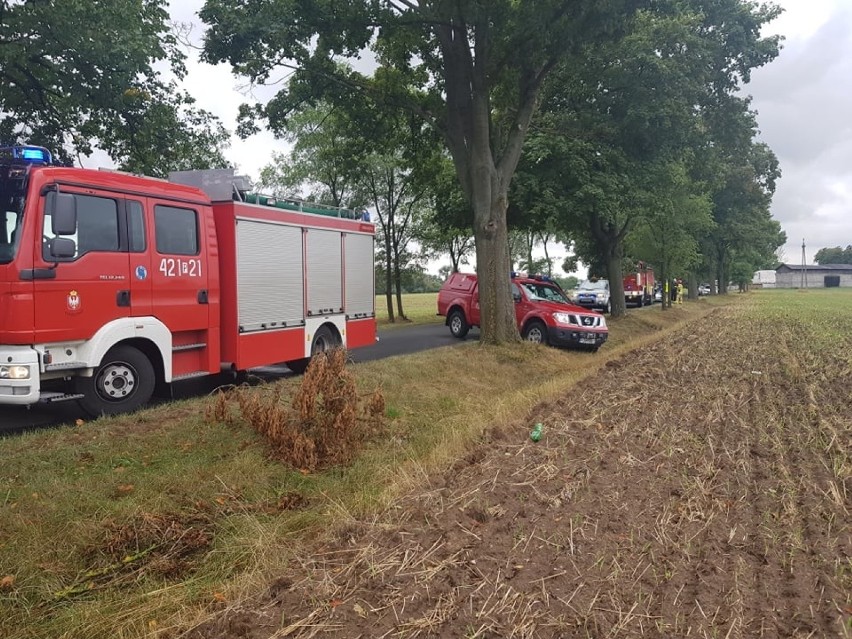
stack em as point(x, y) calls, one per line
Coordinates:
point(700, 487)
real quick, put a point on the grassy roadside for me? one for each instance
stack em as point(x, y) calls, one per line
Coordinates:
point(140, 525)
point(419, 308)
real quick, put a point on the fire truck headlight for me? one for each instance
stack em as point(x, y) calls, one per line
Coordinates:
point(14, 372)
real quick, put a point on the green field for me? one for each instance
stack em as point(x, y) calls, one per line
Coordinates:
point(419, 308)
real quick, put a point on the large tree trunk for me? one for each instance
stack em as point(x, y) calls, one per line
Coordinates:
point(722, 273)
point(610, 244)
point(665, 302)
point(493, 266)
point(692, 285)
point(614, 257)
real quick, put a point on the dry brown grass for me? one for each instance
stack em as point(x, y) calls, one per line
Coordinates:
point(325, 423)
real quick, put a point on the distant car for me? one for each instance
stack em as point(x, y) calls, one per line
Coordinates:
point(593, 294)
point(704, 289)
point(658, 295)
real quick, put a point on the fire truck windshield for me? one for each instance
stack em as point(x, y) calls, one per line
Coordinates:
point(11, 218)
point(15, 165)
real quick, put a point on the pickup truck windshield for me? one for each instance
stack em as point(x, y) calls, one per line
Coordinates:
point(11, 218)
point(545, 292)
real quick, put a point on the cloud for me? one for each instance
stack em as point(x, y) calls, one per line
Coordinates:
point(218, 91)
point(803, 99)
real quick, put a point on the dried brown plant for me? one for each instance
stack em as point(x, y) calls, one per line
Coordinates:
point(325, 422)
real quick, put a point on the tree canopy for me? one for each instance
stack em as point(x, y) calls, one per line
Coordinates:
point(615, 158)
point(83, 75)
point(471, 70)
point(834, 255)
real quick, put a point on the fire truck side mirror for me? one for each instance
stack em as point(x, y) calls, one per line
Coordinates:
point(62, 208)
point(62, 247)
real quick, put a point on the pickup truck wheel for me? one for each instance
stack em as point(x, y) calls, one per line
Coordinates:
point(324, 340)
point(608, 309)
point(536, 332)
point(458, 324)
point(124, 382)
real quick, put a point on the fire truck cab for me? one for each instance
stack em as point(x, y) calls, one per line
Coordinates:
point(112, 284)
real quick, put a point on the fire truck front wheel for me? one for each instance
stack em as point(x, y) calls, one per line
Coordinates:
point(124, 382)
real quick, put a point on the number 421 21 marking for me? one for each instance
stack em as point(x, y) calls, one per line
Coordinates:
point(173, 267)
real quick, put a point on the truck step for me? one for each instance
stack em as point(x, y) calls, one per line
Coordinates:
point(53, 398)
point(183, 376)
point(188, 347)
point(64, 366)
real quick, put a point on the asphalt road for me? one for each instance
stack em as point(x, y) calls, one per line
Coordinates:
point(393, 341)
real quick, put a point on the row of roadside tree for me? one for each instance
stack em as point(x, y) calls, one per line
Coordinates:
point(619, 128)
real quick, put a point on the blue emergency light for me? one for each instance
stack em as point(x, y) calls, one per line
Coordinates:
point(28, 154)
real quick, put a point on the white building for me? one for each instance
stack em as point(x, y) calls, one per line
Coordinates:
point(815, 275)
point(763, 279)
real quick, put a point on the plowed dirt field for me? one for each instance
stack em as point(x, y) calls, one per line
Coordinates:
point(699, 487)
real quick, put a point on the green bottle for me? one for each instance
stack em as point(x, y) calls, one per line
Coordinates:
point(535, 433)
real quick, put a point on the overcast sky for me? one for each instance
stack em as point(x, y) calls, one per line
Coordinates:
point(803, 100)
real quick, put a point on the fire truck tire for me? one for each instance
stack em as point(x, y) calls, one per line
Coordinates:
point(536, 332)
point(458, 324)
point(324, 340)
point(124, 382)
point(298, 366)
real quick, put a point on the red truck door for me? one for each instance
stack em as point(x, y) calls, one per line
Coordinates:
point(139, 243)
point(521, 304)
point(83, 292)
point(474, 306)
point(179, 276)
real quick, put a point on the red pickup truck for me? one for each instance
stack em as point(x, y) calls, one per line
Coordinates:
point(542, 310)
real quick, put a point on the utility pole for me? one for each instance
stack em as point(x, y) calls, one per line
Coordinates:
point(804, 272)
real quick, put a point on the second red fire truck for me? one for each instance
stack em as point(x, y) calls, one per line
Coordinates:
point(639, 286)
point(113, 284)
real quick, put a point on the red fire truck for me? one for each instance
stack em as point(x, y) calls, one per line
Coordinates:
point(113, 284)
point(639, 286)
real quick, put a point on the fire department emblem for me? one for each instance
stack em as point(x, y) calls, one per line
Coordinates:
point(73, 302)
